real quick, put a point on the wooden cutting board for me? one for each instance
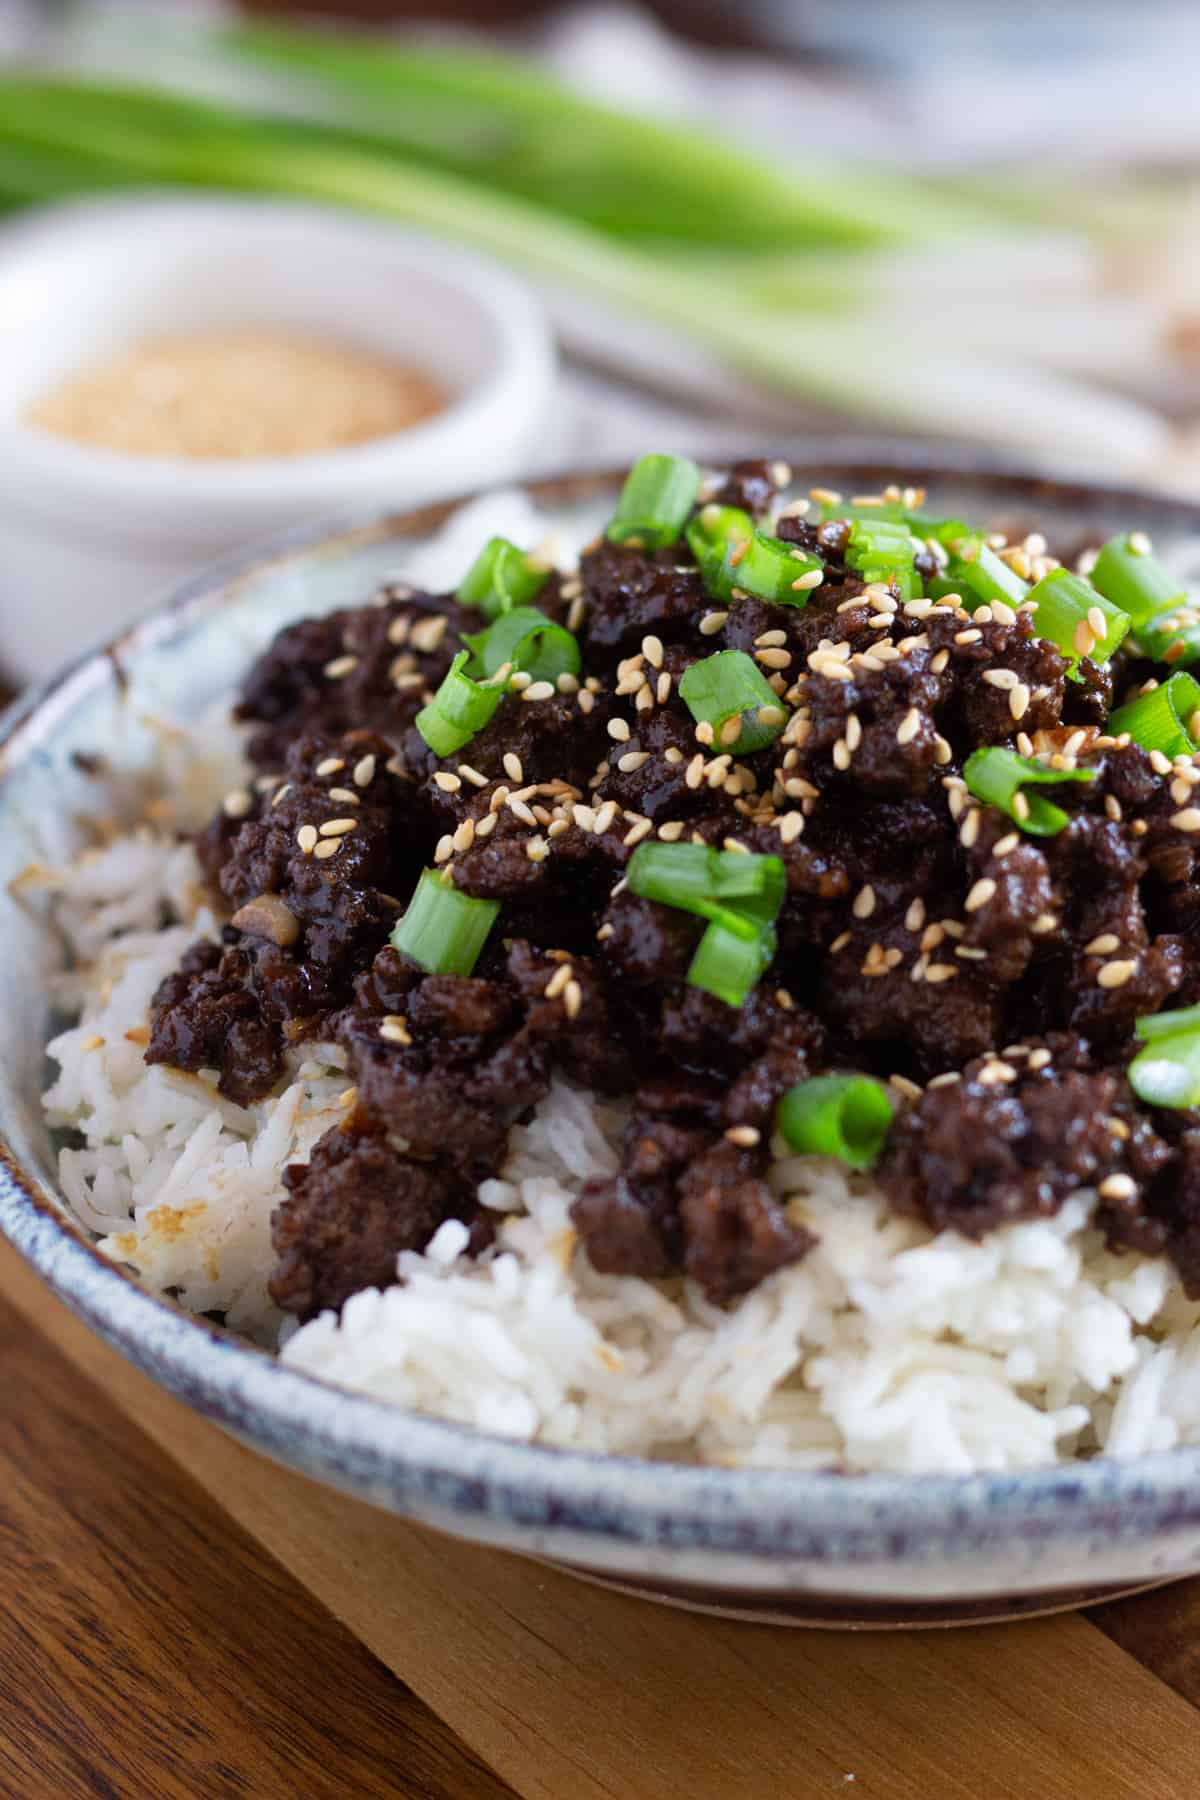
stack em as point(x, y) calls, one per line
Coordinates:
point(182, 1617)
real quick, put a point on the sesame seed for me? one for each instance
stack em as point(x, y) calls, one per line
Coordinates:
point(970, 828)
point(1187, 820)
point(340, 666)
point(731, 729)
point(746, 1137)
point(1007, 844)
point(840, 942)
point(841, 755)
point(1020, 806)
point(773, 659)
point(711, 623)
point(237, 803)
point(472, 775)
point(1098, 622)
point(652, 650)
point(632, 760)
point(1039, 1059)
point(618, 729)
point(397, 631)
point(946, 1080)
point(672, 831)
point(940, 972)
point(980, 894)
point(771, 639)
point(332, 765)
point(449, 783)
point(585, 701)
point(790, 825)
point(1018, 700)
point(905, 1087)
point(825, 496)
point(1117, 1187)
point(637, 832)
point(347, 796)
point(970, 636)
point(1116, 974)
point(537, 849)
point(306, 837)
point(513, 766)
point(572, 999)
point(327, 847)
point(484, 827)
point(427, 634)
point(1044, 923)
point(337, 827)
point(518, 682)
point(1104, 945)
point(805, 583)
point(909, 726)
point(557, 981)
point(519, 809)
point(864, 902)
point(1139, 543)
point(1004, 679)
point(539, 690)
point(394, 1030)
point(575, 616)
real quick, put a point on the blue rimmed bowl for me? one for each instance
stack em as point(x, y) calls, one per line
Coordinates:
point(806, 1548)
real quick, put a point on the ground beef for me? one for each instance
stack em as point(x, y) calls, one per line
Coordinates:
point(995, 973)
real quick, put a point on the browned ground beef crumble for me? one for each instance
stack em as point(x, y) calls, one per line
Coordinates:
point(995, 976)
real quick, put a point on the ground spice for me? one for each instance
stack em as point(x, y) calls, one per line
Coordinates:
point(248, 393)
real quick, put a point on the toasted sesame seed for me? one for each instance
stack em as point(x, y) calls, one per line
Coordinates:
point(970, 828)
point(1116, 974)
point(306, 837)
point(637, 832)
point(518, 681)
point(731, 730)
point(328, 846)
point(337, 827)
point(576, 615)
point(1104, 945)
point(237, 803)
point(946, 1080)
point(448, 782)
point(789, 826)
point(332, 765)
point(519, 809)
point(1118, 1128)
point(969, 636)
point(619, 730)
point(427, 634)
point(983, 891)
point(539, 690)
point(712, 622)
point(340, 666)
point(1004, 679)
point(909, 726)
point(1187, 820)
point(805, 583)
point(671, 831)
point(841, 754)
point(1039, 1059)
point(940, 972)
point(773, 659)
point(1117, 1187)
point(557, 981)
point(397, 631)
point(864, 902)
point(746, 1137)
point(572, 999)
point(1098, 622)
point(484, 827)
point(537, 849)
point(394, 1030)
point(1018, 700)
point(652, 650)
point(346, 796)
point(512, 766)
point(767, 640)
point(1020, 806)
point(632, 761)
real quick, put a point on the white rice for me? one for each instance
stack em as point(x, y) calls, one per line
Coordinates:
point(887, 1348)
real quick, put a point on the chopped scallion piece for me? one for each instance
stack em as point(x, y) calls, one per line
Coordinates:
point(1167, 1024)
point(891, 510)
point(730, 687)
point(1134, 580)
point(459, 709)
point(1167, 1071)
point(1068, 612)
point(733, 553)
point(981, 576)
point(658, 495)
point(526, 639)
point(501, 577)
point(729, 964)
point(1171, 637)
point(1167, 718)
point(998, 777)
point(443, 929)
point(740, 895)
point(847, 1116)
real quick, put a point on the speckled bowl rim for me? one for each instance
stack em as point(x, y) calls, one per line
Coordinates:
point(482, 1483)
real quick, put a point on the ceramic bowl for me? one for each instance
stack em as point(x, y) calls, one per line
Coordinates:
point(95, 534)
point(869, 1549)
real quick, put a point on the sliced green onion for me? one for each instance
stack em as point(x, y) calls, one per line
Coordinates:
point(847, 1116)
point(1171, 637)
point(727, 687)
point(949, 533)
point(906, 582)
point(941, 587)
point(1167, 1071)
point(501, 577)
point(740, 895)
point(698, 879)
point(879, 543)
point(891, 510)
point(526, 639)
point(1164, 718)
point(734, 554)
point(658, 495)
point(459, 709)
point(998, 777)
point(729, 964)
point(1134, 580)
point(981, 576)
point(1167, 1024)
point(1068, 610)
point(442, 929)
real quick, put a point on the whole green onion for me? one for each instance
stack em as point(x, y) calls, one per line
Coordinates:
point(981, 576)
point(847, 1116)
point(1167, 1071)
point(1069, 609)
point(658, 495)
point(1130, 577)
point(1163, 719)
point(459, 709)
point(730, 687)
point(443, 929)
point(998, 777)
point(501, 577)
point(526, 639)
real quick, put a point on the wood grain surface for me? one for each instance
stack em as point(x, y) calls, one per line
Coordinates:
point(213, 1629)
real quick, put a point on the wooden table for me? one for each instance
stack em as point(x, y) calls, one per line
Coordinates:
point(182, 1618)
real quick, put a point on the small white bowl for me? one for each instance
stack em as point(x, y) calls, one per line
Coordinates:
point(88, 537)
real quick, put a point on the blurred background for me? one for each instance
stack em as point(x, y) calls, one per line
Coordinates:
point(746, 224)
